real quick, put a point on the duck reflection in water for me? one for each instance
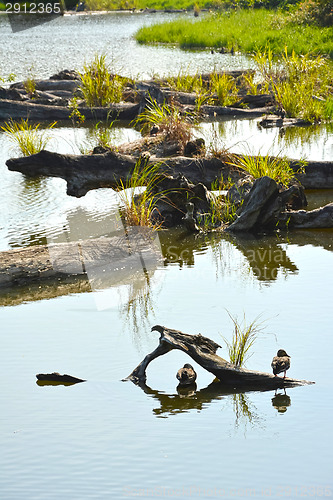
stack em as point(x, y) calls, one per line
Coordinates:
point(281, 401)
point(186, 391)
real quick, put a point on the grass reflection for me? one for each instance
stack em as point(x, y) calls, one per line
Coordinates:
point(187, 399)
point(245, 412)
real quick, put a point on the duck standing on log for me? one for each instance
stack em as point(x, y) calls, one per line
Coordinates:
point(186, 375)
point(281, 362)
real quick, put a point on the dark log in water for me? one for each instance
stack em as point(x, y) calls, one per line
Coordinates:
point(320, 218)
point(203, 351)
point(16, 110)
point(85, 172)
point(56, 378)
point(278, 121)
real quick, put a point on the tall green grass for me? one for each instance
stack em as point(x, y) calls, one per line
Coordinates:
point(27, 139)
point(137, 208)
point(302, 85)
point(111, 4)
point(219, 87)
point(99, 85)
point(244, 336)
point(276, 167)
point(244, 30)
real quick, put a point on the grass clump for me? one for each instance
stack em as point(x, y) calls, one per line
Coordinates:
point(184, 82)
point(99, 86)
point(27, 139)
point(168, 119)
point(244, 336)
point(219, 87)
point(138, 204)
point(101, 135)
point(301, 85)
point(225, 88)
point(276, 167)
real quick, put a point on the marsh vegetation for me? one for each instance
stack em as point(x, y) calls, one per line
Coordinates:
point(243, 30)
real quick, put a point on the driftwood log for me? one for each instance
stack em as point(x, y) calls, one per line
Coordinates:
point(86, 172)
point(15, 110)
point(203, 351)
point(56, 378)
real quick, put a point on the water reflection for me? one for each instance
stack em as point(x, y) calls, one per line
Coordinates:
point(126, 277)
point(244, 410)
point(188, 398)
point(281, 401)
point(312, 135)
point(266, 257)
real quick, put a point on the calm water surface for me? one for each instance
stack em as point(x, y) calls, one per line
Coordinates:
point(70, 41)
point(107, 439)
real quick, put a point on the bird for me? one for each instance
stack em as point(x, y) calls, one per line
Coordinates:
point(186, 375)
point(154, 129)
point(281, 362)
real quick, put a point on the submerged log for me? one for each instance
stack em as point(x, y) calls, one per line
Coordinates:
point(278, 121)
point(203, 351)
point(105, 261)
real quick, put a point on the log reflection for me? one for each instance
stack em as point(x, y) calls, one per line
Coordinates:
point(188, 398)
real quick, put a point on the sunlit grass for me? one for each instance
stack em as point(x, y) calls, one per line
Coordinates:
point(244, 30)
point(301, 85)
point(137, 208)
point(277, 167)
point(27, 139)
point(99, 85)
point(244, 336)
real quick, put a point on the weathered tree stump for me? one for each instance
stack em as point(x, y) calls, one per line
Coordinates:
point(203, 350)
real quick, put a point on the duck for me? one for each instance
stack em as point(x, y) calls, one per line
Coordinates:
point(186, 375)
point(281, 362)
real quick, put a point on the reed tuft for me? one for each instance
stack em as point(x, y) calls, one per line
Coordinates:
point(27, 139)
point(243, 338)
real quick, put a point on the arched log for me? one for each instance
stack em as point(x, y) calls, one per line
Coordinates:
point(203, 351)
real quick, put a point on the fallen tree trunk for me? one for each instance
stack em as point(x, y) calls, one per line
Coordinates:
point(86, 172)
point(16, 110)
point(203, 351)
point(319, 218)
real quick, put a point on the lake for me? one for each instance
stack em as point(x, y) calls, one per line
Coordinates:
point(105, 438)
